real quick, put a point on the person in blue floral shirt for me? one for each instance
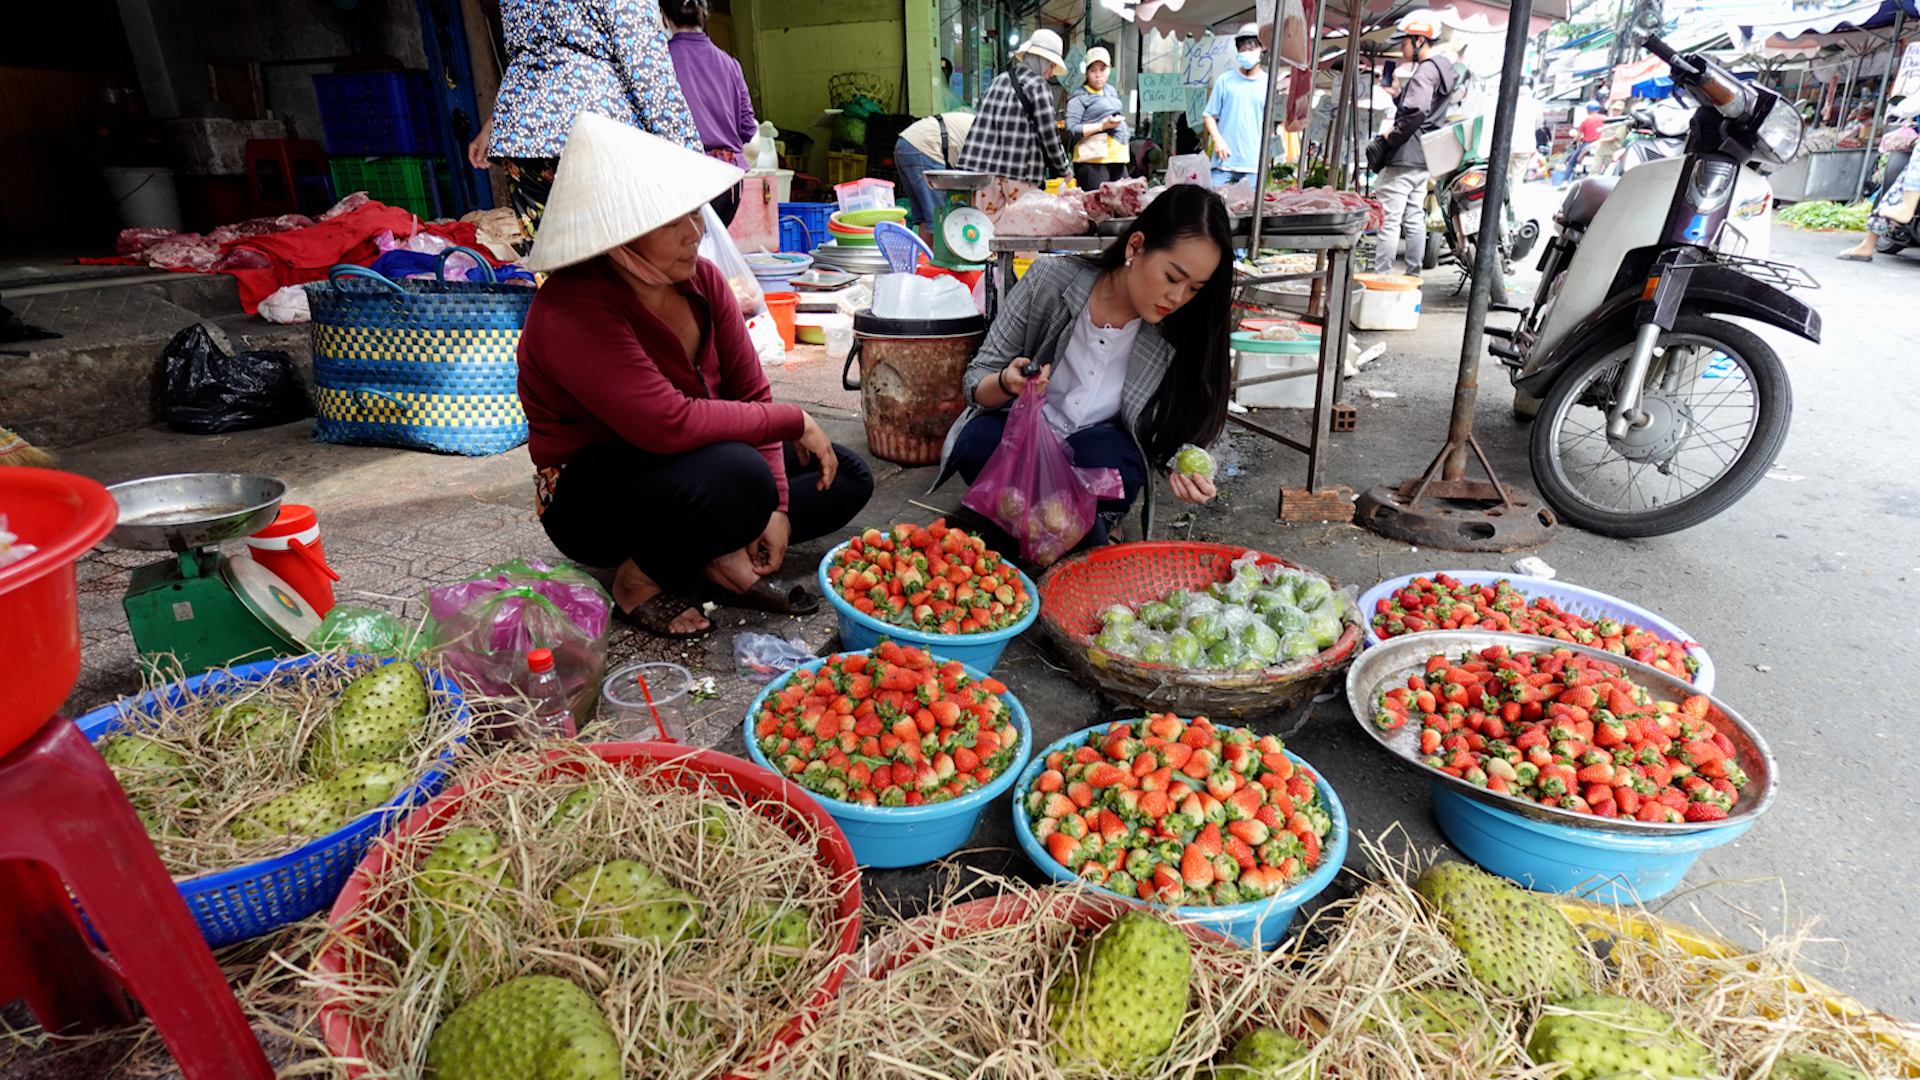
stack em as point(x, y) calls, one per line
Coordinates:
point(567, 57)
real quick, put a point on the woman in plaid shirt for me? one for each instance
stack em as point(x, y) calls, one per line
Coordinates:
point(1134, 343)
point(1014, 138)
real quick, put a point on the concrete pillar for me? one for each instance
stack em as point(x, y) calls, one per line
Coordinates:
point(922, 27)
point(149, 59)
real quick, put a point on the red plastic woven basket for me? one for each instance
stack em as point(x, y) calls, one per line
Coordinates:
point(779, 800)
point(1077, 589)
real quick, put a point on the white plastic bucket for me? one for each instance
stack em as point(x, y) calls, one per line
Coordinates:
point(144, 197)
point(1387, 302)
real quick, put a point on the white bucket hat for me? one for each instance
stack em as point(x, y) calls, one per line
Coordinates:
point(1046, 45)
point(615, 183)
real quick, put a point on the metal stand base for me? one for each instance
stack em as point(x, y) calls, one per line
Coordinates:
point(1456, 515)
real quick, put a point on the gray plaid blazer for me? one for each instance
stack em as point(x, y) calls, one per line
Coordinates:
point(1035, 321)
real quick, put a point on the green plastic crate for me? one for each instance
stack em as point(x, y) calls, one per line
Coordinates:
point(420, 184)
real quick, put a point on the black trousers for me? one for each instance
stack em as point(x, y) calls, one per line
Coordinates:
point(674, 514)
point(1090, 176)
point(727, 204)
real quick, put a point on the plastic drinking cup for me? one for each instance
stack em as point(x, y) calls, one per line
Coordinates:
point(647, 702)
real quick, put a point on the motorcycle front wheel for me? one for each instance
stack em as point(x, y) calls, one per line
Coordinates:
point(1717, 403)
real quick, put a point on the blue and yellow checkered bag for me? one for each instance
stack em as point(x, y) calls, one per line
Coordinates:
point(425, 364)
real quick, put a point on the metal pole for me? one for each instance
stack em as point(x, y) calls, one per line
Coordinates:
point(1880, 111)
point(1486, 252)
point(1313, 78)
point(1263, 162)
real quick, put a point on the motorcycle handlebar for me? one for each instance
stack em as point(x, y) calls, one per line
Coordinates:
point(1684, 66)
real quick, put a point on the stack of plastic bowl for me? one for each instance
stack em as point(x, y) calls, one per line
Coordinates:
point(775, 271)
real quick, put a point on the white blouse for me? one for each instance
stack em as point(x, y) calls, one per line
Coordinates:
point(1085, 390)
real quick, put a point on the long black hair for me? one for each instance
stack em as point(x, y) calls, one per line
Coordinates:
point(1191, 404)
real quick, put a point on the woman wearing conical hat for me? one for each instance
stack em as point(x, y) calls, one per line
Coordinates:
point(659, 446)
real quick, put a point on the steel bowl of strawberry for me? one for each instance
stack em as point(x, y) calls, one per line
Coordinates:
point(1564, 767)
point(903, 749)
point(1230, 828)
point(934, 586)
point(1506, 603)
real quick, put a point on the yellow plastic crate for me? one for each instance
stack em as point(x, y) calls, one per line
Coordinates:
point(844, 168)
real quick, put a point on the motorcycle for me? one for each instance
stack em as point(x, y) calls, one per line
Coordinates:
point(1461, 194)
point(1651, 415)
point(1900, 235)
point(1659, 131)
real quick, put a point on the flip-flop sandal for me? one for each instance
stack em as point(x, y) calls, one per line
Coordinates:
point(765, 595)
point(1854, 258)
point(656, 616)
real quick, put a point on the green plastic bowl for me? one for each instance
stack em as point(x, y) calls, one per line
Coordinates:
point(867, 219)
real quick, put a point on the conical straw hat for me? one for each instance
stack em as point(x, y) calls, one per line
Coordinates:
point(616, 182)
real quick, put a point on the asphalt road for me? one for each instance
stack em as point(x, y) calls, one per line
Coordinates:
point(1797, 592)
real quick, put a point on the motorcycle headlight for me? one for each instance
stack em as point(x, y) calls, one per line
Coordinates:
point(1779, 133)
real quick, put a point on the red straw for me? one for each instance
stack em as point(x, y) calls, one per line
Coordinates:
point(648, 694)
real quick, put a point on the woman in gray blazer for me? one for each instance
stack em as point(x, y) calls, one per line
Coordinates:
point(1133, 344)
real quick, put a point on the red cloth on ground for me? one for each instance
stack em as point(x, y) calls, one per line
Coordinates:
point(306, 254)
point(596, 366)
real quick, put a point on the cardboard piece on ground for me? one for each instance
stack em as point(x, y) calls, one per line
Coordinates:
point(1328, 504)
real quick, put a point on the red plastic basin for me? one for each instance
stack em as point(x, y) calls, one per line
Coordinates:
point(64, 516)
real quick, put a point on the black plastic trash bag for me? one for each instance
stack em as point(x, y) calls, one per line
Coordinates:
point(207, 391)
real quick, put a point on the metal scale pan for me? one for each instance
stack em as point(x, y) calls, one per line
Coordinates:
point(190, 510)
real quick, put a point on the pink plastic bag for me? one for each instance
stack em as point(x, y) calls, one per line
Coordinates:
point(1032, 489)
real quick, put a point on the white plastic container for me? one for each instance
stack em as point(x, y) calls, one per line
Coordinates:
point(1387, 302)
point(1284, 394)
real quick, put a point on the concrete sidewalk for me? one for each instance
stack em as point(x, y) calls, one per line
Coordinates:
point(1790, 646)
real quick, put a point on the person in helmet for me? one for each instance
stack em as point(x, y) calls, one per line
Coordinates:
point(1396, 158)
point(1236, 109)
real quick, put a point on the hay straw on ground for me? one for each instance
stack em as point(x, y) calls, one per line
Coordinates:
point(688, 1011)
point(227, 775)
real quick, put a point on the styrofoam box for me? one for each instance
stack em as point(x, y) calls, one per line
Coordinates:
point(1284, 394)
point(1387, 309)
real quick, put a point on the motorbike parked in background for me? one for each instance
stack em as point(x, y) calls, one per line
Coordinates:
point(1650, 414)
point(1461, 197)
point(1900, 235)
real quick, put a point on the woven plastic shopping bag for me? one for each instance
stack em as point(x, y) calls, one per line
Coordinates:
point(424, 364)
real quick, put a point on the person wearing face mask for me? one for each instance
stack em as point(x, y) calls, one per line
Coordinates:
point(1096, 123)
point(1396, 157)
point(1013, 139)
point(1130, 348)
point(1236, 111)
point(657, 445)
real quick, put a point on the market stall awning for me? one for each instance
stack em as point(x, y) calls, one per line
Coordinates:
point(1196, 16)
point(1866, 15)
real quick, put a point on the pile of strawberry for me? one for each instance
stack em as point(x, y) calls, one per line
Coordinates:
point(936, 579)
point(1570, 731)
point(1443, 603)
point(888, 728)
point(1180, 812)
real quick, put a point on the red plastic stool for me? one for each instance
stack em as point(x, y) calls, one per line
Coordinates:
point(287, 176)
point(69, 827)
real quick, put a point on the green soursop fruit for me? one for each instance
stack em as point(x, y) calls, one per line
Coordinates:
point(247, 724)
point(1808, 1067)
point(138, 752)
point(713, 824)
point(1599, 1035)
point(1440, 1012)
point(785, 931)
point(626, 897)
point(461, 877)
point(1513, 941)
point(325, 805)
point(575, 804)
point(1265, 1054)
point(1121, 1001)
point(372, 719)
point(536, 1027)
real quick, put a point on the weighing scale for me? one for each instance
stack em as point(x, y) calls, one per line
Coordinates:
point(201, 608)
point(961, 232)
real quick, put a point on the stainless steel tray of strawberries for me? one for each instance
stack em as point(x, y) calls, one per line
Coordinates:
point(1562, 733)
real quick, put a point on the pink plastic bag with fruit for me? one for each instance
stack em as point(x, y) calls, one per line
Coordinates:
point(1031, 488)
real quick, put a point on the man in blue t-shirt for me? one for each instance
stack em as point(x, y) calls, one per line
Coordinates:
point(1236, 111)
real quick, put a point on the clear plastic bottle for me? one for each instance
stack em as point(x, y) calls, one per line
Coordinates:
point(552, 717)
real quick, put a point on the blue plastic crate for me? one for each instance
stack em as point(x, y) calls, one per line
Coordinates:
point(261, 897)
point(377, 112)
point(803, 226)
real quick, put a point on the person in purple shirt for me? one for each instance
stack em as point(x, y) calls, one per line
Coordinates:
point(715, 92)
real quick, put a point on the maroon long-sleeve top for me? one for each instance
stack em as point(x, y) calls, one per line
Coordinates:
point(596, 366)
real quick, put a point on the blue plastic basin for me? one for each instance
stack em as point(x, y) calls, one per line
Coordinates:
point(1259, 923)
point(891, 836)
point(1612, 868)
point(860, 631)
point(261, 897)
point(1586, 603)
